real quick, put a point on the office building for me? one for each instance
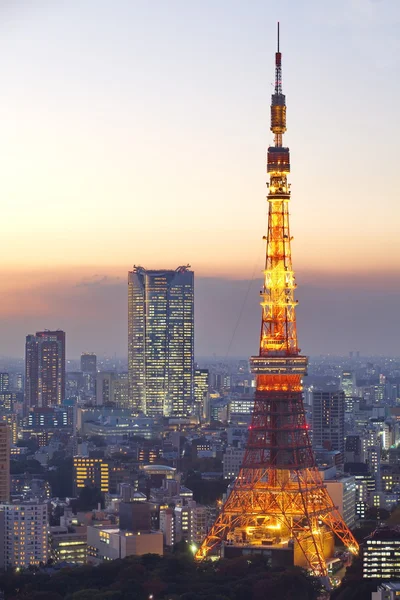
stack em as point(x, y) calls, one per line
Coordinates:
point(110, 543)
point(353, 452)
point(44, 369)
point(4, 382)
point(187, 522)
point(24, 529)
point(121, 390)
point(201, 392)
point(105, 388)
point(328, 420)
point(167, 526)
point(381, 554)
point(348, 383)
point(88, 362)
point(161, 341)
point(5, 444)
point(91, 471)
point(12, 420)
point(68, 546)
point(240, 407)
point(232, 461)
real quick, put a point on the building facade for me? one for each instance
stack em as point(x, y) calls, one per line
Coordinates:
point(381, 555)
point(110, 543)
point(343, 491)
point(4, 382)
point(91, 471)
point(232, 461)
point(68, 546)
point(328, 420)
point(161, 341)
point(24, 528)
point(88, 362)
point(44, 369)
point(201, 392)
point(5, 445)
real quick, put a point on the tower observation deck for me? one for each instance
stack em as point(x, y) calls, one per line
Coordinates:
point(279, 499)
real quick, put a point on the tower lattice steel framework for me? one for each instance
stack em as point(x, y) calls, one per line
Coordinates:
point(279, 498)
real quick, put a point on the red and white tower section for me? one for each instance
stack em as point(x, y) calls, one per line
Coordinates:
point(279, 499)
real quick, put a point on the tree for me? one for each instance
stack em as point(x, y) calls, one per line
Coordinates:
point(89, 498)
point(31, 444)
point(97, 440)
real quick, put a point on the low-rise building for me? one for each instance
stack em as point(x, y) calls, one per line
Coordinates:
point(67, 546)
point(110, 543)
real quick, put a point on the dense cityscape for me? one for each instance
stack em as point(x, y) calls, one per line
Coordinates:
point(93, 479)
point(161, 474)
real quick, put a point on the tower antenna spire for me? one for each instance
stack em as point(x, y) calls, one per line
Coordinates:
point(278, 36)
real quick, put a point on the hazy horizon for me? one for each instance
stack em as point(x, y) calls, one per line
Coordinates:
point(331, 319)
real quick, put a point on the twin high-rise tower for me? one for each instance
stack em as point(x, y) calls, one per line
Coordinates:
point(279, 503)
point(161, 341)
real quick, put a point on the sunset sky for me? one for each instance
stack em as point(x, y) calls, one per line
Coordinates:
point(135, 132)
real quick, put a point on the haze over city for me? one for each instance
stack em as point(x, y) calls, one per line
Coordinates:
point(136, 132)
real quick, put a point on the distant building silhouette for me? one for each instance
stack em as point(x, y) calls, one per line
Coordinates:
point(88, 362)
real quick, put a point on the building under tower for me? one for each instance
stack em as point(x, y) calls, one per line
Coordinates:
point(278, 506)
point(161, 341)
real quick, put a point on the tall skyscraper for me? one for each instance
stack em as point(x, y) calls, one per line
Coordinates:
point(161, 341)
point(328, 420)
point(88, 362)
point(5, 443)
point(44, 369)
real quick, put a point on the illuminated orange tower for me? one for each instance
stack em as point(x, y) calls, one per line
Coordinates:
point(279, 499)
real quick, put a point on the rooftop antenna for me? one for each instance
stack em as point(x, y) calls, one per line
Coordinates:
point(278, 36)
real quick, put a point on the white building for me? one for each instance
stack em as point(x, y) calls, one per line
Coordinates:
point(199, 525)
point(183, 523)
point(188, 522)
point(110, 543)
point(343, 490)
point(167, 526)
point(232, 461)
point(24, 529)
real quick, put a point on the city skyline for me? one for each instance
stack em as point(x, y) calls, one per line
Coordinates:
point(70, 158)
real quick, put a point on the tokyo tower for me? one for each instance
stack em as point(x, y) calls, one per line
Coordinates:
point(279, 500)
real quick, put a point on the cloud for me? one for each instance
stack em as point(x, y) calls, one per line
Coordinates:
point(98, 280)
